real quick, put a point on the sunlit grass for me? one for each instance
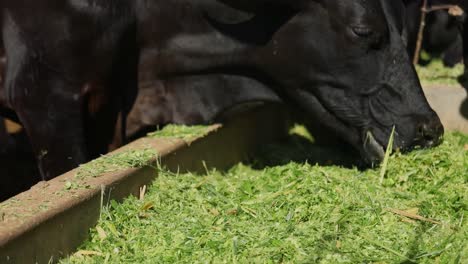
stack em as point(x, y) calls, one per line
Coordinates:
point(436, 73)
point(180, 131)
point(297, 212)
point(115, 162)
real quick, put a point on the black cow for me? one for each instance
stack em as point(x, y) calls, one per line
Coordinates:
point(342, 61)
point(71, 68)
point(69, 75)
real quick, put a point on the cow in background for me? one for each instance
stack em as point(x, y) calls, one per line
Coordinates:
point(442, 36)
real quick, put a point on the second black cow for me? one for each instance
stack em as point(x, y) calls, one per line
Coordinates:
point(71, 68)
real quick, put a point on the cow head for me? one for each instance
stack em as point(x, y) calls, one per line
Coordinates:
point(346, 63)
point(343, 61)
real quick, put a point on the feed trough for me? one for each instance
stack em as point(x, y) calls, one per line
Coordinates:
point(53, 218)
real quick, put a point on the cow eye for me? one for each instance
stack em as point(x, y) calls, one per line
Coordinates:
point(362, 31)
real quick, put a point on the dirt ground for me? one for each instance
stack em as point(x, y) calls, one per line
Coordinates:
point(451, 104)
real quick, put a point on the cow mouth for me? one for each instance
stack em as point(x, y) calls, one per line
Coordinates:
point(374, 151)
point(371, 151)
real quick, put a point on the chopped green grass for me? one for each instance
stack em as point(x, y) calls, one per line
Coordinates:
point(383, 169)
point(137, 158)
point(295, 212)
point(436, 73)
point(180, 131)
point(115, 162)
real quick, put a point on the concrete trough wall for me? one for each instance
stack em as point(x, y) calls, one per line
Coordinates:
point(50, 221)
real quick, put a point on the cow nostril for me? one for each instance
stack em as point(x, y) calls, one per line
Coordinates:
point(429, 135)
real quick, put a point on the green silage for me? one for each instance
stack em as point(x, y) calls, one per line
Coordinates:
point(180, 131)
point(137, 158)
point(115, 162)
point(295, 212)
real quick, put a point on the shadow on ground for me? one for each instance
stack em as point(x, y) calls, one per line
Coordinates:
point(464, 108)
point(463, 80)
point(297, 148)
point(18, 170)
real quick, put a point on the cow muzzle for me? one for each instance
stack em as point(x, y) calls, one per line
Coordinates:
point(429, 133)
